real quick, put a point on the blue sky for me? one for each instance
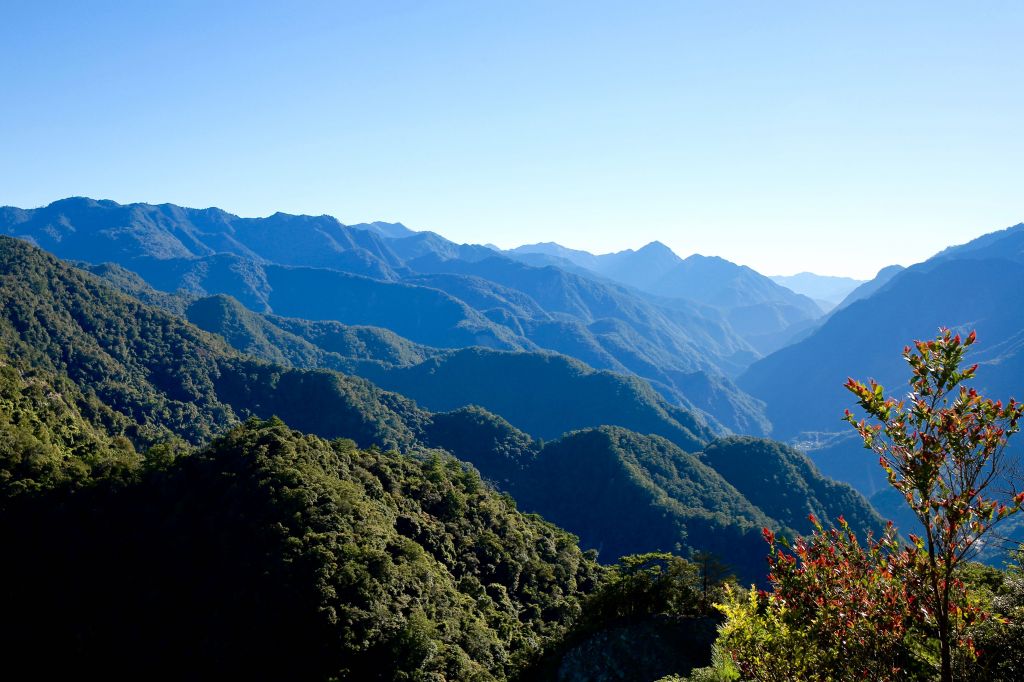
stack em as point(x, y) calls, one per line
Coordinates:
point(832, 137)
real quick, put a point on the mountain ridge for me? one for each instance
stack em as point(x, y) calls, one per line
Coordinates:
point(208, 251)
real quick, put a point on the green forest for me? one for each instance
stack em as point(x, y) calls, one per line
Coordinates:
point(190, 490)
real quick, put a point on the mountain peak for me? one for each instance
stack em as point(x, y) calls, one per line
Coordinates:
point(385, 229)
point(657, 248)
point(889, 270)
point(583, 259)
point(550, 248)
point(81, 202)
point(699, 259)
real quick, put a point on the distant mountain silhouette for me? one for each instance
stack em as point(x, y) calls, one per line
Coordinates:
point(97, 231)
point(643, 268)
point(582, 259)
point(767, 315)
point(871, 286)
point(386, 230)
point(827, 290)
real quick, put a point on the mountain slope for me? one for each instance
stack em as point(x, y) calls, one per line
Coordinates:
point(866, 338)
point(583, 259)
point(542, 394)
point(583, 480)
point(785, 484)
point(643, 268)
point(871, 286)
point(422, 314)
point(386, 230)
point(763, 312)
point(273, 555)
point(659, 336)
point(461, 310)
point(432, 309)
point(163, 374)
point(152, 377)
point(1004, 244)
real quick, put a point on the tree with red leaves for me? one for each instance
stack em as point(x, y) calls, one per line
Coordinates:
point(942, 447)
point(857, 604)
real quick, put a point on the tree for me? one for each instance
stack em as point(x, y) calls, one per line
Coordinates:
point(642, 585)
point(942, 447)
point(713, 576)
point(856, 602)
point(1001, 638)
point(838, 611)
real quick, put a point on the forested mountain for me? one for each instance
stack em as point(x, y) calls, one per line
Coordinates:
point(416, 284)
point(784, 483)
point(421, 314)
point(267, 555)
point(99, 231)
point(975, 286)
point(585, 479)
point(543, 393)
point(151, 376)
point(302, 343)
point(165, 376)
point(630, 328)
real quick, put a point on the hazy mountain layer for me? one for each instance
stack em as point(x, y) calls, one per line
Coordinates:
point(826, 290)
point(417, 284)
point(764, 313)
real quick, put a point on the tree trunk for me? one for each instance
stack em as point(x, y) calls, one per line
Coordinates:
point(946, 653)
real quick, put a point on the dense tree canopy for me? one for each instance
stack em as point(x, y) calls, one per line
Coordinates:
point(282, 555)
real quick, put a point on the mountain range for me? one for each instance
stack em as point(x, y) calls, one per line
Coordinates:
point(428, 290)
point(764, 313)
point(150, 376)
point(696, 330)
point(420, 458)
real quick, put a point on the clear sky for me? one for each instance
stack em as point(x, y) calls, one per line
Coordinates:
point(834, 137)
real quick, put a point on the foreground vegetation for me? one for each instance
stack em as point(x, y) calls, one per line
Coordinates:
point(843, 610)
